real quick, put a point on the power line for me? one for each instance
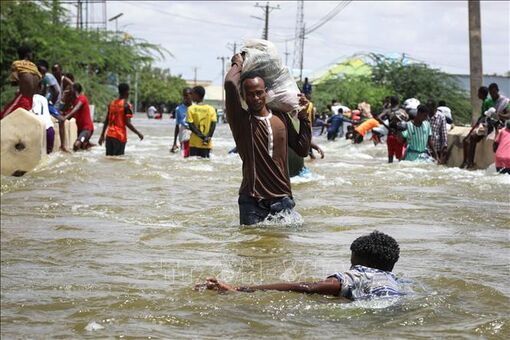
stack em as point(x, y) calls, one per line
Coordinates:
point(328, 16)
point(334, 12)
point(203, 21)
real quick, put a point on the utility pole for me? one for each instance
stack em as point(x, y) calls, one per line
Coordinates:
point(232, 47)
point(222, 80)
point(195, 75)
point(79, 15)
point(286, 54)
point(116, 17)
point(136, 92)
point(302, 57)
point(475, 55)
point(296, 61)
point(267, 9)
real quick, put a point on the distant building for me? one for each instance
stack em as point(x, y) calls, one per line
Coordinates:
point(213, 93)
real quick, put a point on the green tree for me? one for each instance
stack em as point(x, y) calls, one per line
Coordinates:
point(394, 77)
point(158, 86)
point(91, 56)
point(418, 80)
point(351, 91)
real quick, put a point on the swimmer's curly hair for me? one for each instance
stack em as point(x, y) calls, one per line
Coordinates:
point(377, 249)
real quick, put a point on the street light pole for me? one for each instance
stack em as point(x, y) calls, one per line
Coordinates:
point(222, 80)
point(115, 18)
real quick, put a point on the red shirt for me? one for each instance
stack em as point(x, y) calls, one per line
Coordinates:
point(118, 112)
point(83, 118)
point(18, 101)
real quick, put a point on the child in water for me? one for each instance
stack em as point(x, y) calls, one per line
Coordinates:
point(372, 259)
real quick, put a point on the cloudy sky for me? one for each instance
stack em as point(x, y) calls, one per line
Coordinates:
point(198, 32)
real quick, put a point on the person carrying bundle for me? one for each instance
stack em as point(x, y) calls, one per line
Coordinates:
point(262, 137)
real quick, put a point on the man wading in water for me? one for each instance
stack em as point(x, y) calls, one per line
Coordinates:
point(262, 138)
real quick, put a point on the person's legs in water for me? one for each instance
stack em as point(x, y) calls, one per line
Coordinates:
point(50, 139)
point(185, 148)
point(281, 205)
point(61, 126)
point(250, 211)
point(474, 140)
point(83, 140)
point(114, 147)
point(503, 170)
point(390, 143)
point(204, 153)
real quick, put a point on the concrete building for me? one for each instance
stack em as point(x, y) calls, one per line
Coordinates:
point(213, 93)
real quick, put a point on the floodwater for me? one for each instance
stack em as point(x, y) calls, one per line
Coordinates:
point(98, 247)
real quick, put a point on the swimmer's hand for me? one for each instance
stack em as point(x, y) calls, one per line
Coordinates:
point(212, 283)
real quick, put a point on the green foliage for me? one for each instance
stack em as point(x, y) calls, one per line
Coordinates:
point(158, 86)
point(394, 77)
point(351, 91)
point(97, 59)
point(422, 82)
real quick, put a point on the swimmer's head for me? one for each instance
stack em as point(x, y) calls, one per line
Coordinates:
point(376, 250)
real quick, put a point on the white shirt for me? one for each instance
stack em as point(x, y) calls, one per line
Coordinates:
point(151, 111)
point(40, 108)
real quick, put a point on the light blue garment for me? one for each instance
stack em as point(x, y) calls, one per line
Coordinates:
point(362, 282)
point(180, 115)
point(49, 80)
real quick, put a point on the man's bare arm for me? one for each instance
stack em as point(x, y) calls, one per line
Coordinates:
point(330, 286)
point(132, 128)
point(74, 110)
point(232, 95)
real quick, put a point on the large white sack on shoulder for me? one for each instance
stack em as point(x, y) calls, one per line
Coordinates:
point(23, 142)
point(261, 56)
point(284, 96)
point(261, 45)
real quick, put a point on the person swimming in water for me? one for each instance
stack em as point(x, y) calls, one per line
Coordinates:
point(373, 258)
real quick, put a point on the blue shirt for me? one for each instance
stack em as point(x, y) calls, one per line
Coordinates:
point(362, 282)
point(180, 115)
point(307, 88)
point(335, 122)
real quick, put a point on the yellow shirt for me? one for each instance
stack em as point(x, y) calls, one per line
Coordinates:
point(310, 110)
point(201, 115)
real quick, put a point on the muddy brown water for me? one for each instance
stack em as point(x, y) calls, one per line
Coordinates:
point(97, 247)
